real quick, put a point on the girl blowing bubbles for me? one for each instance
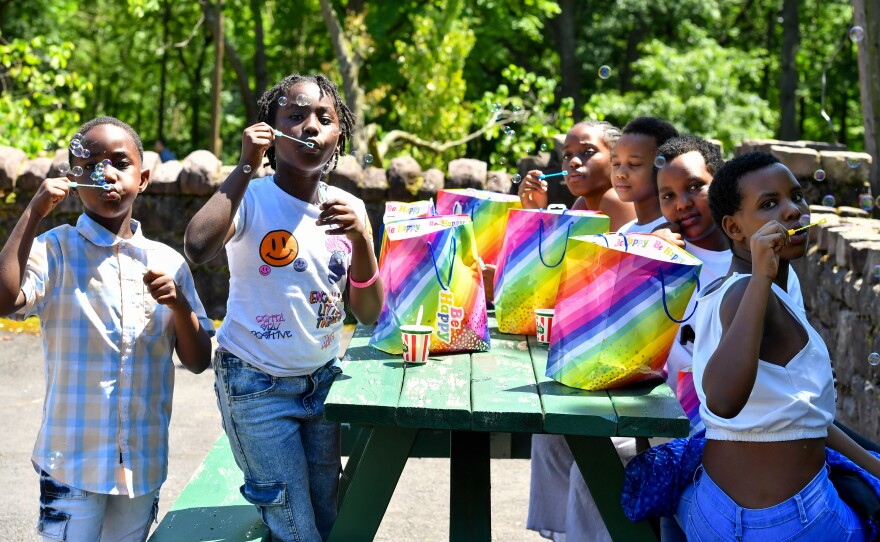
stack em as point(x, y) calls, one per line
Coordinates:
point(763, 376)
point(279, 340)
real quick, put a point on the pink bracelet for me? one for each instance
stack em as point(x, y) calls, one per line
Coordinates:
point(366, 284)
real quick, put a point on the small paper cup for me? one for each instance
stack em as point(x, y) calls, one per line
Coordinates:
point(416, 343)
point(544, 324)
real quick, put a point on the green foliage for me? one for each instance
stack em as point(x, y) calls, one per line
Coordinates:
point(40, 108)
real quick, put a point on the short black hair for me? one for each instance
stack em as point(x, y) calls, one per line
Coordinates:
point(268, 104)
point(100, 121)
point(683, 144)
point(659, 129)
point(725, 197)
point(610, 133)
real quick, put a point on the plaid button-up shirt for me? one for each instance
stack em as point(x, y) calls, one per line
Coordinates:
point(107, 347)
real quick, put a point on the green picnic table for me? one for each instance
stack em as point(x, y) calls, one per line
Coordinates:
point(469, 396)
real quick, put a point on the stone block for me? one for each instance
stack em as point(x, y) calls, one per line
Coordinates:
point(166, 178)
point(375, 185)
point(838, 166)
point(405, 179)
point(555, 161)
point(854, 212)
point(433, 180)
point(200, 175)
point(803, 163)
point(844, 249)
point(467, 173)
point(32, 174)
point(499, 181)
point(11, 160)
point(348, 174)
point(151, 160)
point(61, 157)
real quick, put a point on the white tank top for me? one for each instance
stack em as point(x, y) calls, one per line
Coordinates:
point(787, 403)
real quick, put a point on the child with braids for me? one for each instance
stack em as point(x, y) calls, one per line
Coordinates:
point(295, 246)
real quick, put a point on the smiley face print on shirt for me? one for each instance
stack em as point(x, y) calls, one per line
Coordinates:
point(279, 248)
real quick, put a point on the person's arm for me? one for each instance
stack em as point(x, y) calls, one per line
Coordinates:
point(192, 342)
point(211, 227)
point(14, 256)
point(365, 302)
point(840, 441)
point(533, 191)
point(731, 371)
point(619, 212)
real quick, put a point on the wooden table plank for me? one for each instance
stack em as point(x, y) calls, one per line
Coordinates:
point(369, 387)
point(504, 393)
point(649, 410)
point(437, 394)
point(569, 410)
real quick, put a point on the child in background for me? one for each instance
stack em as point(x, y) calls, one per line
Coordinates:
point(763, 376)
point(634, 174)
point(113, 307)
point(295, 247)
point(585, 155)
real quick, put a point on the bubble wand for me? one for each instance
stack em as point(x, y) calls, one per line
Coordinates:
point(306, 143)
point(821, 221)
point(544, 176)
point(104, 187)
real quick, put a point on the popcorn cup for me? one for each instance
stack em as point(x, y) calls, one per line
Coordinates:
point(416, 343)
point(544, 321)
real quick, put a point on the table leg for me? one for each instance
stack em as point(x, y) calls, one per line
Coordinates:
point(372, 483)
point(470, 517)
point(357, 451)
point(600, 466)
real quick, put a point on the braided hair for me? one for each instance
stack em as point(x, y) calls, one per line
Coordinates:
point(610, 133)
point(268, 104)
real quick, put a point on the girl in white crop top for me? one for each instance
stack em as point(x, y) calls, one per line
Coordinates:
point(763, 376)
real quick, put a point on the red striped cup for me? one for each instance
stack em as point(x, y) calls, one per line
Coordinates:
point(416, 343)
point(544, 321)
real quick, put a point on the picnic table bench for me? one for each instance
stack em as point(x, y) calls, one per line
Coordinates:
point(452, 404)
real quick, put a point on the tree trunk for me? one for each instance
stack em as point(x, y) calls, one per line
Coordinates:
point(769, 45)
point(262, 79)
point(217, 78)
point(789, 78)
point(867, 15)
point(163, 70)
point(349, 67)
point(632, 51)
point(565, 36)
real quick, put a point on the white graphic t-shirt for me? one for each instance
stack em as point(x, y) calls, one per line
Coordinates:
point(287, 276)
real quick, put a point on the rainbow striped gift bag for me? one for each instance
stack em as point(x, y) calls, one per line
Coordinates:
point(432, 263)
point(488, 211)
point(530, 267)
point(401, 210)
point(619, 304)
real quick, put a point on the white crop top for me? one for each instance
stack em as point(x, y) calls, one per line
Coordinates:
point(787, 403)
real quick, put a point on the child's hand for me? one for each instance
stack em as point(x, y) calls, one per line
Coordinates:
point(164, 290)
point(670, 232)
point(49, 195)
point(254, 143)
point(533, 191)
point(766, 243)
point(336, 212)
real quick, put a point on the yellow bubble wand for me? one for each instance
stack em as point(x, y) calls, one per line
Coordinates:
point(821, 221)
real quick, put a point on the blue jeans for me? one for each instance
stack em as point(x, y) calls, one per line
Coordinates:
point(815, 513)
point(289, 455)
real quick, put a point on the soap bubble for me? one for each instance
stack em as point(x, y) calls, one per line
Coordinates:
point(48, 145)
point(875, 272)
point(105, 162)
point(282, 100)
point(302, 100)
point(76, 171)
point(496, 107)
point(804, 220)
point(368, 158)
point(246, 168)
point(63, 168)
point(502, 160)
point(866, 202)
point(511, 133)
point(499, 118)
point(874, 359)
point(853, 163)
point(604, 72)
point(516, 109)
point(86, 153)
point(516, 179)
point(819, 175)
point(543, 147)
point(856, 34)
point(354, 153)
point(94, 176)
point(829, 201)
point(660, 162)
point(54, 460)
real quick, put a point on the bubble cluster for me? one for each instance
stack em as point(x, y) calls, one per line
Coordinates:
point(246, 168)
point(516, 179)
point(54, 460)
point(829, 201)
point(856, 34)
point(63, 167)
point(302, 100)
point(874, 359)
point(76, 147)
point(853, 163)
point(604, 72)
point(368, 158)
point(866, 202)
point(660, 162)
point(282, 100)
point(819, 175)
point(97, 175)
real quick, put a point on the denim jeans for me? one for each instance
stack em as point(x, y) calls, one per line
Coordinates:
point(815, 513)
point(289, 455)
point(76, 515)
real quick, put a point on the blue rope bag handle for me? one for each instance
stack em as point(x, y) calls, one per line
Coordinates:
point(451, 265)
point(666, 308)
point(457, 208)
point(541, 243)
